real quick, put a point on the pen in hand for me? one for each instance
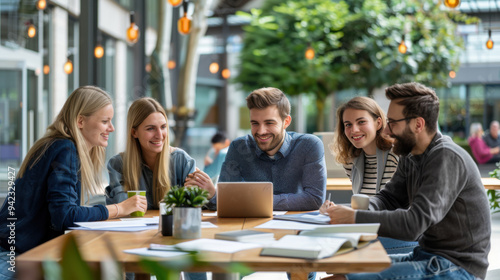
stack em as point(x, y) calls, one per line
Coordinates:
point(326, 205)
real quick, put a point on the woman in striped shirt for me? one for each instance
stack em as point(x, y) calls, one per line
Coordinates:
point(361, 147)
point(365, 152)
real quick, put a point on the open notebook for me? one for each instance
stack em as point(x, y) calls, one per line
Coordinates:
point(322, 242)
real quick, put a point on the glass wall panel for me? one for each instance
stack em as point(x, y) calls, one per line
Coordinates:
point(452, 111)
point(15, 18)
point(10, 122)
point(492, 103)
point(205, 124)
point(73, 43)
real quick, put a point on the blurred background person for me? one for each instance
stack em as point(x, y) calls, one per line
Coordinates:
point(216, 155)
point(482, 153)
point(491, 138)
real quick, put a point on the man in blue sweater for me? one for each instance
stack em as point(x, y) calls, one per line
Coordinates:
point(435, 195)
point(293, 162)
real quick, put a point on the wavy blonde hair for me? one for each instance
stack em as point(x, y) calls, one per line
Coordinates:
point(341, 146)
point(132, 158)
point(84, 101)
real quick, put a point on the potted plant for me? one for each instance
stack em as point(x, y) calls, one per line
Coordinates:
point(186, 203)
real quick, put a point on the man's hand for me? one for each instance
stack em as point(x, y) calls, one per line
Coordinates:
point(327, 204)
point(341, 214)
point(202, 180)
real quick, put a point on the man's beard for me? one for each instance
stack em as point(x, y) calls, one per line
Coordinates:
point(275, 142)
point(404, 143)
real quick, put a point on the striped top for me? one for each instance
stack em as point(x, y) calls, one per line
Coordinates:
point(370, 176)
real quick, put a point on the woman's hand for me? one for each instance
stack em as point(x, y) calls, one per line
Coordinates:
point(202, 180)
point(132, 204)
point(327, 204)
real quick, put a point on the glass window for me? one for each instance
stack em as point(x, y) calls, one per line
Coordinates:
point(73, 44)
point(15, 19)
point(47, 69)
point(152, 13)
point(492, 104)
point(10, 122)
point(106, 80)
point(476, 104)
point(205, 124)
point(452, 111)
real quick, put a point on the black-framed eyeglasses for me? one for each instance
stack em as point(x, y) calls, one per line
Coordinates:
point(391, 122)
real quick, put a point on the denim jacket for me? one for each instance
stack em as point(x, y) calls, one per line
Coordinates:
point(181, 164)
point(47, 199)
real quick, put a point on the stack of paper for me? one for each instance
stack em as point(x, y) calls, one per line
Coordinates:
point(129, 225)
point(246, 235)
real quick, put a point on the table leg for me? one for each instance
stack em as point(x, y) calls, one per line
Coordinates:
point(225, 276)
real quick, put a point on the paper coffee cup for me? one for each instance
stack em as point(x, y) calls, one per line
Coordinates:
point(360, 201)
point(132, 193)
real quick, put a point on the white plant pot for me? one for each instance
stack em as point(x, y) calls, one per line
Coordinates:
point(187, 222)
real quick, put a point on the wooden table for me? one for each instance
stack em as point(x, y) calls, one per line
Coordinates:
point(93, 248)
point(342, 184)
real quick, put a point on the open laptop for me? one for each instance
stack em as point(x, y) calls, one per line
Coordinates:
point(245, 199)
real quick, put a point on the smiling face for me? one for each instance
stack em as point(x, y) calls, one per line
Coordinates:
point(96, 127)
point(151, 134)
point(361, 129)
point(268, 129)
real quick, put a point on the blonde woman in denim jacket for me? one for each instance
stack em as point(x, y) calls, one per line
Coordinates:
point(58, 173)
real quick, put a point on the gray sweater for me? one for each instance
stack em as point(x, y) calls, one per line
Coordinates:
point(438, 196)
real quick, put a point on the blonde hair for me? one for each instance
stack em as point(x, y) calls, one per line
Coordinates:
point(132, 159)
point(342, 147)
point(84, 101)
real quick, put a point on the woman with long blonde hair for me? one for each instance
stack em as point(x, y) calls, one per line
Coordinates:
point(60, 172)
point(149, 162)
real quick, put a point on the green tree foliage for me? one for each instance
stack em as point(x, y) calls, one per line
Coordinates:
point(356, 44)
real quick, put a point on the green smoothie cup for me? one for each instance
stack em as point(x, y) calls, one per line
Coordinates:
point(132, 193)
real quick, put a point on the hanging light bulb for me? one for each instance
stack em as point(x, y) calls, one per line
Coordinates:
point(31, 29)
point(452, 74)
point(226, 73)
point(402, 46)
point(133, 31)
point(68, 66)
point(175, 3)
point(41, 4)
point(310, 53)
point(98, 51)
point(184, 23)
point(46, 69)
point(489, 43)
point(451, 3)
point(214, 67)
point(171, 64)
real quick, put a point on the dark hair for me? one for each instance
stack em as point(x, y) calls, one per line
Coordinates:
point(219, 137)
point(265, 97)
point(418, 100)
point(343, 148)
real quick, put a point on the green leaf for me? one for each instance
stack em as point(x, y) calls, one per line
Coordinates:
point(72, 263)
